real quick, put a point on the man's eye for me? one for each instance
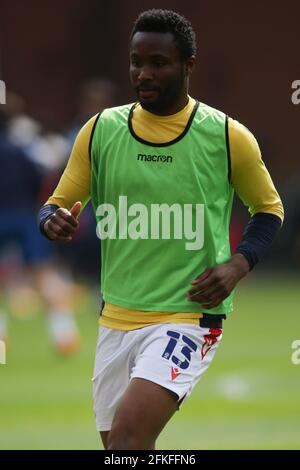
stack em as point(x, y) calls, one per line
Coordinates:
point(160, 63)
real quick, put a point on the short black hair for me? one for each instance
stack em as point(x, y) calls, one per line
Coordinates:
point(168, 21)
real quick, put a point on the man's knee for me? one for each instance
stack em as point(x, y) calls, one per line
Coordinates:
point(121, 438)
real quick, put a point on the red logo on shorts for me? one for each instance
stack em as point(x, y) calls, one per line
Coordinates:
point(210, 340)
point(175, 372)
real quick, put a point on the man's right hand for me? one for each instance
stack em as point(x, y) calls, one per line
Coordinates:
point(63, 223)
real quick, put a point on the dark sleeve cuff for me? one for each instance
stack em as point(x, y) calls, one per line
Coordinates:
point(258, 236)
point(44, 214)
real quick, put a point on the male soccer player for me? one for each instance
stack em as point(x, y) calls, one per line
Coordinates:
point(155, 170)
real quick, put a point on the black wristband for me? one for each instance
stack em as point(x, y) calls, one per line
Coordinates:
point(44, 213)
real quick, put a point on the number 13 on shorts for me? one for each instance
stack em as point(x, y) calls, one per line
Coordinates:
point(186, 350)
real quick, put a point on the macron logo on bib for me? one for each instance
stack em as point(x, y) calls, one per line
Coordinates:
point(154, 158)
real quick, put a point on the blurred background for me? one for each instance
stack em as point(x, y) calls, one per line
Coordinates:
point(62, 62)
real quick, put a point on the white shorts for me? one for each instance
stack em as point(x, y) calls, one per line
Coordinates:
point(174, 356)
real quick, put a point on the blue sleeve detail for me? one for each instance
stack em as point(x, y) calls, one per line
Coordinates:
point(258, 236)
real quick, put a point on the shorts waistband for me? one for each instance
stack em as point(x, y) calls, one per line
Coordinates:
point(210, 320)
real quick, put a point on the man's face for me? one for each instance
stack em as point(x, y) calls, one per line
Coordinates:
point(157, 71)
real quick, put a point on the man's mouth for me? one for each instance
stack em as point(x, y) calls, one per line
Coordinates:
point(147, 92)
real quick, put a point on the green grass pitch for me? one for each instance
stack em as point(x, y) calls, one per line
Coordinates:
point(248, 399)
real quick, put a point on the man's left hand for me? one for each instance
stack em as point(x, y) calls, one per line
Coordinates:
point(215, 284)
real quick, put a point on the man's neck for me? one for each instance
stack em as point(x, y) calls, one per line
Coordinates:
point(174, 109)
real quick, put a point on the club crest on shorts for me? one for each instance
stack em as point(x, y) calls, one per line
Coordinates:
point(174, 372)
point(210, 340)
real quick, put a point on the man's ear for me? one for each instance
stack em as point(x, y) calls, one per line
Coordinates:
point(190, 65)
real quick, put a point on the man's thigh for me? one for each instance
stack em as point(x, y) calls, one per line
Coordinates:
point(141, 415)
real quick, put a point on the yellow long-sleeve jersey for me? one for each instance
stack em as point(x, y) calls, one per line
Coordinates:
point(249, 177)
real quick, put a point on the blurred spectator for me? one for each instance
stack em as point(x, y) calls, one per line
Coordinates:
point(37, 137)
point(95, 94)
point(24, 254)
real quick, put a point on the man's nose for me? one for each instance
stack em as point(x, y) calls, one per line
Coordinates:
point(145, 73)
